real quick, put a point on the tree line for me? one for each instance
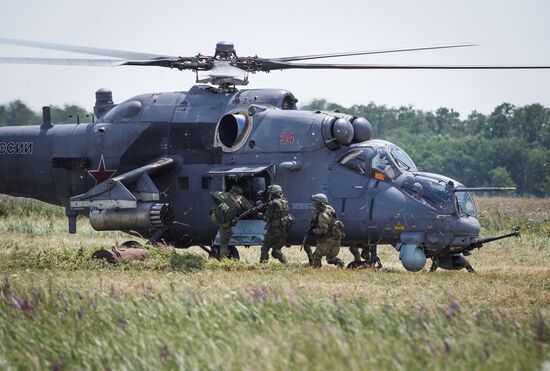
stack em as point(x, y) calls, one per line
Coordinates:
point(509, 147)
point(18, 113)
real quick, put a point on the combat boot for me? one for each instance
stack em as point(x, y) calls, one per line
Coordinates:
point(224, 251)
point(336, 261)
point(354, 250)
point(264, 256)
point(309, 253)
point(468, 266)
point(278, 254)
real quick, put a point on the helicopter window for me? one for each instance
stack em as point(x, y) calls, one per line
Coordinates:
point(183, 182)
point(206, 182)
point(466, 204)
point(434, 192)
point(356, 161)
point(402, 159)
point(381, 163)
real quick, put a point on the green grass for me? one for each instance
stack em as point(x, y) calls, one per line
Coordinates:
point(61, 310)
point(255, 328)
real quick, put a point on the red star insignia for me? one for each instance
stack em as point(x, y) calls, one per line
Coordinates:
point(101, 174)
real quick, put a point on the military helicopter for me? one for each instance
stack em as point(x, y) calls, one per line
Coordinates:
point(147, 165)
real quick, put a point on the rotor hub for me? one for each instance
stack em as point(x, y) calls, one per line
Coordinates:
point(225, 50)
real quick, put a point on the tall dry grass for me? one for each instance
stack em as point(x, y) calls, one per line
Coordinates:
point(60, 310)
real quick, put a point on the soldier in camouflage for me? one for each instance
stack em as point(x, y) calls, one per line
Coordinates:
point(278, 223)
point(329, 232)
point(368, 253)
point(236, 204)
point(310, 239)
point(358, 256)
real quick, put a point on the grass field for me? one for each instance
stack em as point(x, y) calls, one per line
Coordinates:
point(60, 310)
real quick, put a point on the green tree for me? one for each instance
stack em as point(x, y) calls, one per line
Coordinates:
point(500, 177)
point(499, 123)
point(3, 115)
point(68, 114)
point(18, 113)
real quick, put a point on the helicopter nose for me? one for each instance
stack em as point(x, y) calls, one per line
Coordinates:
point(466, 226)
point(465, 230)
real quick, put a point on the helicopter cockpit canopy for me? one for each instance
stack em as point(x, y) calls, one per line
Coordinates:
point(430, 192)
point(384, 162)
point(402, 159)
point(466, 204)
point(390, 162)
point(357, 160)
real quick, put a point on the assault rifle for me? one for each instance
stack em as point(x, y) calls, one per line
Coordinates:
point(259, 208)
point(310, 238)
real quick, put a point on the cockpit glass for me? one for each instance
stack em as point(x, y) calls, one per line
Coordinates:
point(434, 192)
point(356, 160)
point(402, 159)
point(466, 203)
point(381, 162)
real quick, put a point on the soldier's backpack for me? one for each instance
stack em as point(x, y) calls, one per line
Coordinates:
point(287, 222)
point(221, 212)
point(336, 228)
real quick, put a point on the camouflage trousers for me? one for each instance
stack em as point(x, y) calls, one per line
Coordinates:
point(309, 240)
point(354, 250)
point(225, 236)
point(330, 248)
point(274, 240)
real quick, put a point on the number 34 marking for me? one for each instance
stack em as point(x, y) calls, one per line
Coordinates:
point(287, 138)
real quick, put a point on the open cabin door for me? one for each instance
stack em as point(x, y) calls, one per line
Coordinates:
point(254, 181)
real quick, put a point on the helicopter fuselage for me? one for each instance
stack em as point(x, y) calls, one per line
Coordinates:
point(253, 138)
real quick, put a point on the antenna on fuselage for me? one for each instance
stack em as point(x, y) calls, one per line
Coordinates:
point(46, 118)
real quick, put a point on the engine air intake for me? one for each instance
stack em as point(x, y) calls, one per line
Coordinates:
point(232, 131)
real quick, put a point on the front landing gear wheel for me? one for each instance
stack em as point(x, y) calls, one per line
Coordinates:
point(234, 253)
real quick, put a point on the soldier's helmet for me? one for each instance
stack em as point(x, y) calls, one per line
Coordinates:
point(275, 189)
point(236, 190)
point(320, 198)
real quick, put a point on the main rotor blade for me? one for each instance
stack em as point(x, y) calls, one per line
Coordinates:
point(366, 52)
point(167, 62)
point(65, 61)
point(269, 65)
point(83, 49)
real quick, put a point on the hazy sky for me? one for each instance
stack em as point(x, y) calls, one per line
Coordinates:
point(508, 32)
